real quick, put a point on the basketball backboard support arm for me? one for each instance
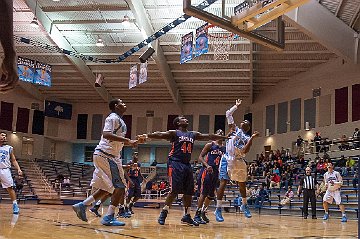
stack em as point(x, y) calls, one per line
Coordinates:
point(227, 25)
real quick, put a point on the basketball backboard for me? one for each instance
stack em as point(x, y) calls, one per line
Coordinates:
point(221, 13)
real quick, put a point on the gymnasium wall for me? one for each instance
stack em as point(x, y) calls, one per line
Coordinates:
point(330, 77)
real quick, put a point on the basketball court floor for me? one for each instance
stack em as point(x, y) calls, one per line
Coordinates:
point(43, 221)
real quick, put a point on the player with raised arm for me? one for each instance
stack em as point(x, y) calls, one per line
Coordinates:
point(7, 157)
point(208, 177)
point(179, 167)
point(232, 164)
point(108, 176)
point(333, 182)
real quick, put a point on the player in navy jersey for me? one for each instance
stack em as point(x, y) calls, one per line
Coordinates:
point(208, 177)
point(134, 191)
point(179, 167)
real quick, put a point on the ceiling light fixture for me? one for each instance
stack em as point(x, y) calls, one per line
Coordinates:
point(100, 42)
point(126, 21)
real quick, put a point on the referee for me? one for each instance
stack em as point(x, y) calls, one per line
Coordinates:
point(308, 184)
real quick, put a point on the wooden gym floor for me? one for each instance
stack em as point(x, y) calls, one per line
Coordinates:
point(59, 221)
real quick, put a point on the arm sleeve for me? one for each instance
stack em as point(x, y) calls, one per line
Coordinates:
point(229, 114)
point(109, 125)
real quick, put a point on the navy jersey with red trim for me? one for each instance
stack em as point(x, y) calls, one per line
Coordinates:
point(134, 171)
point(182, 146)
point(214, 155)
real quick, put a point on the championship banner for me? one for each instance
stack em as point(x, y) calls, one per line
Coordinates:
point(133, 76)
point(186, 48)
point(143, 73)
point(42, 74)
point(201, 45)
point(26, 69)
point(58, 110)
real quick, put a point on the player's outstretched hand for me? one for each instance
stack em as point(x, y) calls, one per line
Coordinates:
point(20, 173)
point(238, 102)
point(142, 138)
point(255, 134)
point(9, 76)
point(133, 143)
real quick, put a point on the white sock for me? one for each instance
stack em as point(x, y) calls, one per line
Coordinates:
point(89, 200)
point(344, 215)
point(15, 202)
point(219, 203)
point(111, 210)
point(166, 207)
point(326, 212)
point(204, 208)
point(98, 203)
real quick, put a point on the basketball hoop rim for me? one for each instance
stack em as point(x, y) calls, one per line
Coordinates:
point(227, 35)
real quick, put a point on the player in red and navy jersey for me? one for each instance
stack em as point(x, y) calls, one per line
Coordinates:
point(134, 191)
point(208, 177)
point(179, 167)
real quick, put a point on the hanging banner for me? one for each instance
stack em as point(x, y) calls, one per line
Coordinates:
point(186, 48)
point(143, 73)
point(133, 76)
point(42, 74)
point(201, 45)
point(26, 69)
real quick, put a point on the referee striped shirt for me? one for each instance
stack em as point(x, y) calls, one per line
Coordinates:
point(308, 182)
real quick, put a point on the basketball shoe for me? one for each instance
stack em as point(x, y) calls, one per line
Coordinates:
point(80, 210)
point(109, 220)
point(246, 210)
point(186, 219)
point(162, 217)
point(218, 215)
point(198, 218)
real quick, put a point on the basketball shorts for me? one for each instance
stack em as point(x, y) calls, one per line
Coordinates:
point(237, 169)
point(108, 173)
point(180, 177)
point(331, 196)
point(223, 169)
point(207, 182)
point(134, 191)
point(6, 178)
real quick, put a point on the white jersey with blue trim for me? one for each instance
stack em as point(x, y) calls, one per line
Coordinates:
point(5, 152)
point(237, 141)
point(116, 125)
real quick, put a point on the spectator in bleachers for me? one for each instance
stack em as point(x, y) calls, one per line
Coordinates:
point(148, 188)
point(355, 180)
point(289, 195)
point(299, 143)
point(350, 164)
point(275, 181)
point(285, 178)
point(341, 165)
point(356, 138)
point(154, 163)
point(253, 195)
point(344, 145)
point(276, 170)
point(320, 167)
point(268, 180)
point(66, 182)
point(317, 141)
point(262, 196)
point(251, 172)
point(19, 184)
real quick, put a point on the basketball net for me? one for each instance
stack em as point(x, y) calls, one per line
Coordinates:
point(220, 42)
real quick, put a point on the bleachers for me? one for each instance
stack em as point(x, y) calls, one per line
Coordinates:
point(80, 176)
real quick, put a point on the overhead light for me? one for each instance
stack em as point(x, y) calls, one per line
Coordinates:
point(100, 42)
point(14, 132)
point(126, 21)
point(34, 23)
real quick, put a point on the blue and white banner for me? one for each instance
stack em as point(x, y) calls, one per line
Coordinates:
point(42, 74)
point(133, 76)
point(26, 68)
point(186, 48)
point(202, 40)
point(58, 110)
point(143, 73)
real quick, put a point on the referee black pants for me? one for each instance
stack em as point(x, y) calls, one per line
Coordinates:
point(309, 194)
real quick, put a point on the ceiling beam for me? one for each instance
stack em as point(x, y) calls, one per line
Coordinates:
point(311, 19)
point(252, 47)
point(144, 23)
point(60, 40)
point(85, 8)
point(338, 8)
point(355, 17)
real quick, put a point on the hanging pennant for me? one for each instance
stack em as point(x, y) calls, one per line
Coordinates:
point(186, 48)
point(143, 73)
point(201, 45)
point(133, 76)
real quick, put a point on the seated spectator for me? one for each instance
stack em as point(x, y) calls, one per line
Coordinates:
point(350, 164)
point(268, 180)
point(66, 182)
point(253, 195)
point(237, 202)
point(162, 185)
point(356, 138)
point(19, 184)
point(154, 163)
point(251, 172)
point(262, 196)
point(320, 167)
point(317, 141)
point(341, 165)
point(284, 183)
point(276, 170)
point(355, 180)
point(275, 181)
point(289, 195)
point(299, 143)
point(344, 145)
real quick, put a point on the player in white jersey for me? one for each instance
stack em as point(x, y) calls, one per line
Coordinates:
point(108, 176)
point(7, 157)
point(333, 182)
point(232, 164)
